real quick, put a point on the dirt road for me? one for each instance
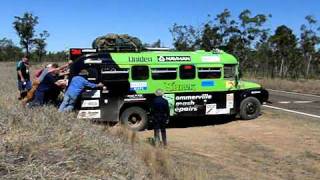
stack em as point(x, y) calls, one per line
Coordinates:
point(277, 145)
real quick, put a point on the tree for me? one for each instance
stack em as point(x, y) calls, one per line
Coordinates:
point(9, 51)
point(56, 56)
point(40, 44)
point(156, 44)
point(185, 37)
point(227, 27)
point(250, 32)
point(309, 41)
point(25, 28)
point(210, 37)
point(284, 44)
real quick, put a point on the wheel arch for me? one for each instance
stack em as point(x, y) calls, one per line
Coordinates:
point(261, 94)
point(143, 105)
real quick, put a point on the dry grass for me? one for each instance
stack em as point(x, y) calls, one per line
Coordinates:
point(302, 85)
point(161, 162)
point(44, 144)
point(41, 143)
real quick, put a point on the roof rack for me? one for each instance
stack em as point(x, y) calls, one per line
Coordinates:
point(157, 49)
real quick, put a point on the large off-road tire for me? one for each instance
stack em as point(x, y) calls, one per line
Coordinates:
point(135, 118)
point(250, 108)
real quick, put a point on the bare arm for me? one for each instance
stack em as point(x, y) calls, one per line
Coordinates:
point(61, 82)
point(64, 73)
point(20, 74)
point(63, 66)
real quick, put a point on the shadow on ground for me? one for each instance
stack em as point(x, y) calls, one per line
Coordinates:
point(186, 122)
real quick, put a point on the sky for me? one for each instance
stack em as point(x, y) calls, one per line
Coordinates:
point(76, 23)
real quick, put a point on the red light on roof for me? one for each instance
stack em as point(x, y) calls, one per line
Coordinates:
point(76, 52)
point(187, 67)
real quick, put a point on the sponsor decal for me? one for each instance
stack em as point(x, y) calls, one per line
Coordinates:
point(89, 50)
point(207, 83)
point(91, 94)
point(135, 86)
point(174, 58)
point(91, 61)
point(105, 91)
point(230, 84)
point(140, 59)
point(194, 97)
point(171, 101)
point(90, 103)
point(230, 101)
point(174, 86)
point(210, 58)
point(255, 92)
point(188, 103)
point(211, 109)
point(135, 97)
point(89, 114)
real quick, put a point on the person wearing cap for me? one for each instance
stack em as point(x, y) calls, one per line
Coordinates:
point(24, 83)
point(76, 86)
point(160, 115)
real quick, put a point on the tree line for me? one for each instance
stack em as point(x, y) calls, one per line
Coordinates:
point(32, 45)
point(260, 51)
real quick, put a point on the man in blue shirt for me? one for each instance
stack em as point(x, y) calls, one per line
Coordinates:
point(77, 85)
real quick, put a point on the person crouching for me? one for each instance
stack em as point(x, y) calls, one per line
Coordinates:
point(77, 85)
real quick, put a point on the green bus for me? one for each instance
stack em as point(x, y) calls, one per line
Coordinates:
point(195, 83)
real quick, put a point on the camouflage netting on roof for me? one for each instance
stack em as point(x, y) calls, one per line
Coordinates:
point(117, 42)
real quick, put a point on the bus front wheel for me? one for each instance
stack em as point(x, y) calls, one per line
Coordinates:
point(250, 108)
point(135, 118)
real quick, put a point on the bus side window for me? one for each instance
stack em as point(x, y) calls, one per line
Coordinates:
point(164, 73)
point(112, 73)
point(140, 72)
point(209, 73)
point(187, 72)
point(229, 70)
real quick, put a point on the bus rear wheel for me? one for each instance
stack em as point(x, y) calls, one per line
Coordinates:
point(135, 118)
point(250, 108)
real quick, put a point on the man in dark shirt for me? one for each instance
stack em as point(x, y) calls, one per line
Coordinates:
point(160, 113)
point(24, 83)
point(45, 88)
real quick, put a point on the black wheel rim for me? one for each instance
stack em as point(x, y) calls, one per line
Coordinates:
point(251, 108)
point(134, 120)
